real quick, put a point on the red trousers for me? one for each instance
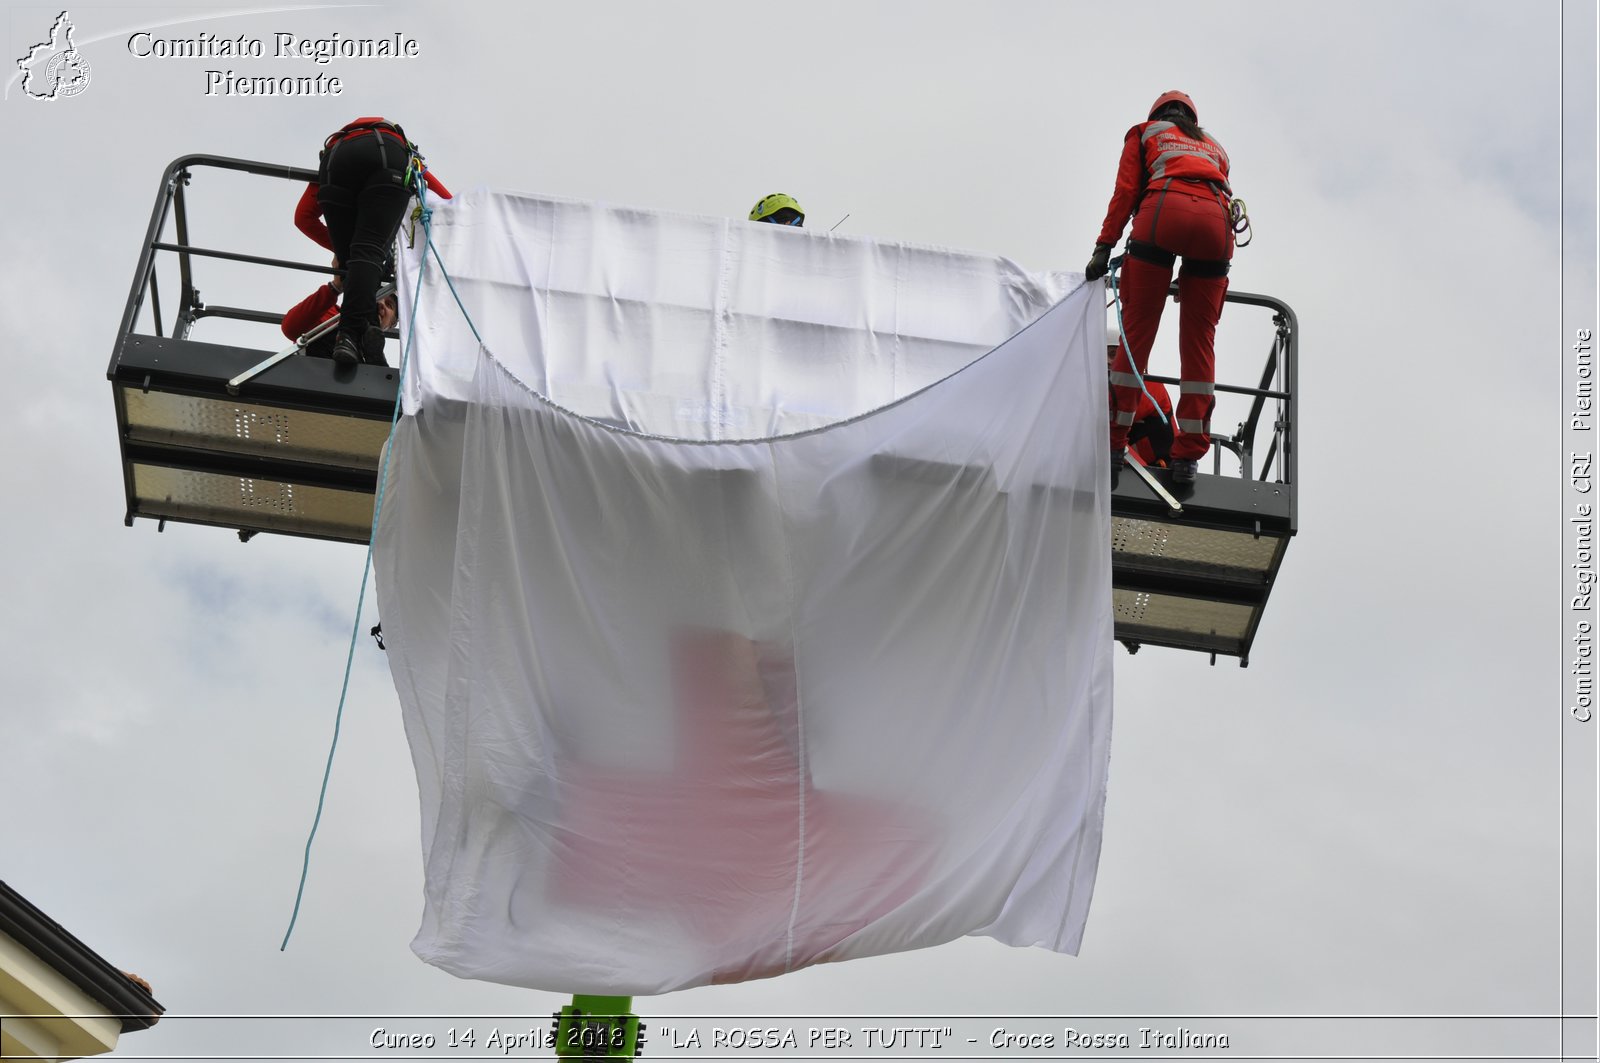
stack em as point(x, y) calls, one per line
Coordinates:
point(1188, 220)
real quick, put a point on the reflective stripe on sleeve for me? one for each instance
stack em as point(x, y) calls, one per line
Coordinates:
point(1195, 427)
point(1196, 387)
point(1125, 380)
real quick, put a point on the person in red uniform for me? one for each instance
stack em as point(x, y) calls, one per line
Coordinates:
point(1173, 181)
point(322, 304)
point(354, 208)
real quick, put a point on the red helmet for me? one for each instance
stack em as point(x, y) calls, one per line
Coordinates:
point(1174, 96)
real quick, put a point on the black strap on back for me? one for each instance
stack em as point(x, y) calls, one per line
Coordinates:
point(1193, 267)
point(330, 147)
point(1161, 201)
point(362, 127)
point(1205, 267)
point(1148, 252)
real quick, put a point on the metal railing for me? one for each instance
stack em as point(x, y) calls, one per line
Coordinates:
point(171, 203)
point(1278, 379)
point(1278, 384)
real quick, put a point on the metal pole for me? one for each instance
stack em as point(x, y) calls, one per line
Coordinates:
point(141, 273)
point(237, 256)
point(1155, 485)
point(187, 295)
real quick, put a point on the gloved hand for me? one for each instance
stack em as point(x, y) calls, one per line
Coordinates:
point(1099, 262)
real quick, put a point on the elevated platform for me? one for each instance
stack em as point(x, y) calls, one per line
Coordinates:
point(295, 449)
point(296, 452)
point(1197, 577)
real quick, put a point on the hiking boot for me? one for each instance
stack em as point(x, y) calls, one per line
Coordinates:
point(1119, 458)
point(345, 351)
point(1184, 470)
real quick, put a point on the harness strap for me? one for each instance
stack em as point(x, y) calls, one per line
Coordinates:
point(1194, 267)
point(411, 161)
point(1205, 267)
point(1151, 253)
point(381, 128)
point(1161, 201)
point(357, 128)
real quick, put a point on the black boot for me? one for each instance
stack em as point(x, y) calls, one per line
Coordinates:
point(372, 346)
point(345, 350)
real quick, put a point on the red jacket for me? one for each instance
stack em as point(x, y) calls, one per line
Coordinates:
point(310, 312)
point(1152, 153)
point(308, 214)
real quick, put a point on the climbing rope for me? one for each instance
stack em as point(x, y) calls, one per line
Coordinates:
point(1116, 298)
point(452, 285)
point(426, 216)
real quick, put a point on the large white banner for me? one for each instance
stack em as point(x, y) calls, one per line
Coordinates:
point(753, 681)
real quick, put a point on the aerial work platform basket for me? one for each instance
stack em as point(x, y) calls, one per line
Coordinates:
point(1193, 565)
point(294, 450)
point(217, 433)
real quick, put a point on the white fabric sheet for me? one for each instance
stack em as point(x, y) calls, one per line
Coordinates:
point(705, 328)
point(826, 676)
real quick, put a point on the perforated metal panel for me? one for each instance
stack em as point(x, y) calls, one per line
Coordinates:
point(1189, 547)
point(251, 502)
point(1167, 619)
point(246, 428)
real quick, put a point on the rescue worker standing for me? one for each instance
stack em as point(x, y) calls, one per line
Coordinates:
point(1173, 181)
point(364, 181)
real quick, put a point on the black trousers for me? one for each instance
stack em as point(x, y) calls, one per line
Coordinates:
point(361, 188)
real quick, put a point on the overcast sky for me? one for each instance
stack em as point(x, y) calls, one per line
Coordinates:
point(1363, 821)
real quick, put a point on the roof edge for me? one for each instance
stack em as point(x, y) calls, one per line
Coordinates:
point(77, 962)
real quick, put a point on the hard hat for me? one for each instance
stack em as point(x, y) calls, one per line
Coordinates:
point(770, 205)
point(1174, 96)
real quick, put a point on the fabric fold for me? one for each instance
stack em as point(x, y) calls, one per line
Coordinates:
point(710, 676)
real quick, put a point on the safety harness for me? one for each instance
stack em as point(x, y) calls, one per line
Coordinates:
point(355, 129)
point(1145, 251)
point(384, 130)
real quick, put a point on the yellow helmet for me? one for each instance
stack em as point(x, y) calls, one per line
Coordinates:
point(768, 206)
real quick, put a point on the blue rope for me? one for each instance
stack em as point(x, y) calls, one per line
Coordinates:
point(377, 508)
point(1116, 294)
point(429, 234)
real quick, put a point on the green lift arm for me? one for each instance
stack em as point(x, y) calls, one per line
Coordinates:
point(596, 1027)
